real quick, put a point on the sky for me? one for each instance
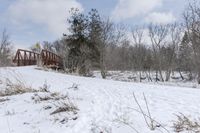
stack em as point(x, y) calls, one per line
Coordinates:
point(32, 21)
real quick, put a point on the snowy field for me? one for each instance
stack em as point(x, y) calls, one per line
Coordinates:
point(102, 106)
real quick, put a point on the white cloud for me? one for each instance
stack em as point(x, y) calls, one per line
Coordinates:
point(126, 9)
point(160, 18)
point(51, 14)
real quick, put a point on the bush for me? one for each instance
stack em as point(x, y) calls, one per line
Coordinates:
point(184, 123)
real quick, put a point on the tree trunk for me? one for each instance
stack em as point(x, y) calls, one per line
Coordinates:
point(168, 73)
point(102, 65)
point(140, 77)
point(181, 74)
point(103, 72)
point(150, 75)
point(161, 76)
point(157, 79)
point(198, 79)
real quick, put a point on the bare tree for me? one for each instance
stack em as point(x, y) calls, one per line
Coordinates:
point(5, 49)
point(175, 35)
point(106, 37)
point(48, 46)
point(110, 35)
point(62, 49)
point(139, 48)
point(192, 23)
point(158, 34)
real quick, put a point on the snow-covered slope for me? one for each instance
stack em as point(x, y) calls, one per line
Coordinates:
point(104, 105)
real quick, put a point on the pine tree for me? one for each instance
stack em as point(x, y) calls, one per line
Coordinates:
point(185, 54)
point(95, 41)
point(78, 49)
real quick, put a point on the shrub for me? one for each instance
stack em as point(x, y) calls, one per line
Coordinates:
point(184, 123)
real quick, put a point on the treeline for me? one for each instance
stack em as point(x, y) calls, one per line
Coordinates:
point(97, 43)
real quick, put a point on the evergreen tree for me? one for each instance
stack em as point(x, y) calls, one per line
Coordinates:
point(78, 48)
point(185, 54)
point(95, 37)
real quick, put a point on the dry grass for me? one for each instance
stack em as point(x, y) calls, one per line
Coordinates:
point(185, 124)
point(65, 106)
point(45, 87)
point(49, 96)
point(151, 123)
point(13, 85)
point(4, 99)
point(98, 128)
point(15, 88)
point(74, 86)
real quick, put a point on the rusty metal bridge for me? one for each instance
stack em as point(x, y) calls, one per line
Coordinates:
point(47, 58)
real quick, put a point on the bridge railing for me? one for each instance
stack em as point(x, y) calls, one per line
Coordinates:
point(47, 58)
point(26, 57)
point(50, 58)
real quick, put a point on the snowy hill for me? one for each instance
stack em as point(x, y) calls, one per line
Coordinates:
point(102, 106)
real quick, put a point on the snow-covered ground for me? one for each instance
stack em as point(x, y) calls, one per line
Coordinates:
point(104, 106)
